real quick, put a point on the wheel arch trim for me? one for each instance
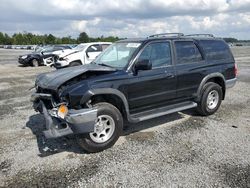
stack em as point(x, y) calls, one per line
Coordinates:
point(107, 91)
point(206, 78)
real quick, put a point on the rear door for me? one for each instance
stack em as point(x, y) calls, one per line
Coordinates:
point(190, 68)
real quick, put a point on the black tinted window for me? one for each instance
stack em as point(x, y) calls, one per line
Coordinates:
point(187, 52)
point(216, 49)
point(159, 54)
point(94, 48)
point(66, 47)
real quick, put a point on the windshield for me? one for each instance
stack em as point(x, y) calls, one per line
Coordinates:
point(118, 54)
point(80, 47)
point(44, 49)
point(39, 49)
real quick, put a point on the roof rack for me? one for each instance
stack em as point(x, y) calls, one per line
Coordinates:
point(167, 34)
point(200, 35)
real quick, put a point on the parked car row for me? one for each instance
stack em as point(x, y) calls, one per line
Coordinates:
point(43, 55)
point(61, 56)
point(19, 47)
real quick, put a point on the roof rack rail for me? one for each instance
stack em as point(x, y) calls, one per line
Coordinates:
point(167, 34)
point(200, 35)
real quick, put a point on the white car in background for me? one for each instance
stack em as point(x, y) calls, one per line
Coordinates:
point(82, 54)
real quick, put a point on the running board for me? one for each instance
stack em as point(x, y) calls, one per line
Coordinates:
point(142, 116)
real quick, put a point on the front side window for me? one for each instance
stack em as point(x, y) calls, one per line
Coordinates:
point(159, 54)
point(94, 48)
point(57, 48)
point(187, 52)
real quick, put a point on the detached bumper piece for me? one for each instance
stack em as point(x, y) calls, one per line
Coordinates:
point(75, 122)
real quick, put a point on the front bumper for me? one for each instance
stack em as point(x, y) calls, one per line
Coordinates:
point(22, 61)
point(61, 64)
point(75, 122)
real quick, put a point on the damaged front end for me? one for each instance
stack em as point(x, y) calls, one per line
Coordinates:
point(61, 121)
point(58, 97)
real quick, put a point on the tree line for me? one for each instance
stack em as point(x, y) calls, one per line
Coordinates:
point(27, 38)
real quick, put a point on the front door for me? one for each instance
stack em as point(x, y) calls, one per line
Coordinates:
point(92, 52)
point(152, 87)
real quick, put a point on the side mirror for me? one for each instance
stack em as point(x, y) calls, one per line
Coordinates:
point(143, 64)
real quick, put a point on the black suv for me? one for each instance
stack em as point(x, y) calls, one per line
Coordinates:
point(134, 80)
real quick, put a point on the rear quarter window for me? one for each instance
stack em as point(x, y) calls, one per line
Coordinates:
point(104, 46)
point(216, 50)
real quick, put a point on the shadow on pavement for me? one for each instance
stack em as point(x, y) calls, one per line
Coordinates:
point(49, 147)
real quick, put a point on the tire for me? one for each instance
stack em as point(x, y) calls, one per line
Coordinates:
point(35, 63)
point(92, 142)
point(75, 63)
point(211, 98)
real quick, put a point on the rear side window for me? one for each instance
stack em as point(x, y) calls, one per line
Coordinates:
point(216, 50)
point(158, 53)
point(104, 46)
point(187, 52)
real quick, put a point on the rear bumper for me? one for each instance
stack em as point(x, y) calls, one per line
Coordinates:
point(75, 122)
point(230, 83)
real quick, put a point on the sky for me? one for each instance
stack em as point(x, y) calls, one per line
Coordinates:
point(126, 18)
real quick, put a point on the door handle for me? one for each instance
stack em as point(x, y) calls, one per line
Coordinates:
point(169, 75)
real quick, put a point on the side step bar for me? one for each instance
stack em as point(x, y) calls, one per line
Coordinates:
point(142, 116)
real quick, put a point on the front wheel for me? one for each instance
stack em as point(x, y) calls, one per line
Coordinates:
point(210, 99)
point(35, 63)
point(75, 63)
point(108, 128)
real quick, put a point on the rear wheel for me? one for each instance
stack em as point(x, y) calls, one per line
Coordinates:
point(108, 128)
point(35, 63)
point(210, 99)
point(75, 63)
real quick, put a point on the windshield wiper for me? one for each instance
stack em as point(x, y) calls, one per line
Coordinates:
point(103, 64)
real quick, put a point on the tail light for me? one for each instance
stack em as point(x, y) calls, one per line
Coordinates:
point(235, 70)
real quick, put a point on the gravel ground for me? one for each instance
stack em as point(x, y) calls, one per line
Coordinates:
point(178, 150)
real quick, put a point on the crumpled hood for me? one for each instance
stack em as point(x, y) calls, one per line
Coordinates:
point(68, 52)
point(53, 80)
